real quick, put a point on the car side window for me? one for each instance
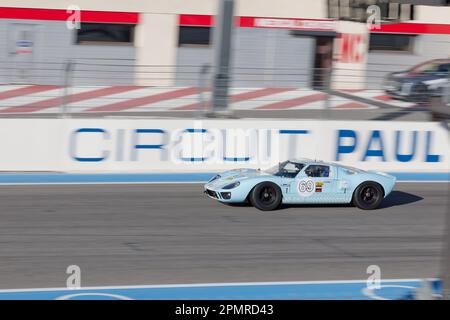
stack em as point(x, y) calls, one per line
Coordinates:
point(444, 68)
point(318, 171)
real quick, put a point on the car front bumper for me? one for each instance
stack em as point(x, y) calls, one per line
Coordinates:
point(220, 195)
point(234, 195)
point(407, 92)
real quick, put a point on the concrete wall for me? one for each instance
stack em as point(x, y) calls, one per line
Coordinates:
point(100, 5)
point(157, 37)
point(3, 52)
point(53, 46)
point(262, 58)
point(431, 14)
point(156, 43)
point(265, 8)
point(111, 145)
point(156, 48)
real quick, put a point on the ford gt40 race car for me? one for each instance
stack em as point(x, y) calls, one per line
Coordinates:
point(301, 181)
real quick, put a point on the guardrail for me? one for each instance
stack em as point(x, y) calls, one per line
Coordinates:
point(126, 72)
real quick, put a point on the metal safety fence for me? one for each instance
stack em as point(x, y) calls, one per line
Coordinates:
point(76, 86)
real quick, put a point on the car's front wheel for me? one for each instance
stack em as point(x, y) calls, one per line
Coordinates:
point(422, 94)
point(266, 196)
point(368, 196)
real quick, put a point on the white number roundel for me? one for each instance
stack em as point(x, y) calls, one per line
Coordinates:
point(306, 187)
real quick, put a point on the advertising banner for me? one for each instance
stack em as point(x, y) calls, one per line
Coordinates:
point(155, 145)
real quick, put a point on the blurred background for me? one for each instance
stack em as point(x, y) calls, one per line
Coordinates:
point(164, 59)
point(159, 56)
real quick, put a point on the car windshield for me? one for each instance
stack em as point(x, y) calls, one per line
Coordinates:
point(287, 169)
point(427, 67)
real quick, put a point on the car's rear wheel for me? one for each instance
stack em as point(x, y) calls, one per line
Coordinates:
point(368, 196)
point(266, 196)
point(439, 117)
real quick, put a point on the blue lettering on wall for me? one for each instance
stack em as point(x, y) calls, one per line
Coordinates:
point(73, 144)
point(137, 146)
point(375, 137)
point(294, 131)
point(343, 149)
point(236, 159)
point(429, 142)
point(292, 150)
point(232, 159)
point(194, 159)
point(405, 157)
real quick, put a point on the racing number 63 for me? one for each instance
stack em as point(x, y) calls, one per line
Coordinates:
point(306, 187)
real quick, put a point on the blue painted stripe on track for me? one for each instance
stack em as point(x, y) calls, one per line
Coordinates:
point(323, 291)
point(103, 177)
point(421, 176)
point(50, 178)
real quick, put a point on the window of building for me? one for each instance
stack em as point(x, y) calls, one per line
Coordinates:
point(105, 33)
point(391, 42)
point(194, 36)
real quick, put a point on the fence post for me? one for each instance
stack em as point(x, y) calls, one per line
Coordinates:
point(202, 85)
point(222, 51)
point(327, 89)
point(68, 73)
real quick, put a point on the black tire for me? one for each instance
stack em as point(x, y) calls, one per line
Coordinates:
point(266, 196)
point(368, 195)
point(438, 117)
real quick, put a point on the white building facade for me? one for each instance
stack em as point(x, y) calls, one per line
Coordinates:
point(168, 42)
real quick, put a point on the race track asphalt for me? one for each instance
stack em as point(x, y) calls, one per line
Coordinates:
point(162, 233)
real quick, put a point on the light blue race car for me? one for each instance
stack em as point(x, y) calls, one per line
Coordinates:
point(301, 181)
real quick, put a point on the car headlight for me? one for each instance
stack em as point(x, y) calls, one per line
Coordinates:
point(232, 185)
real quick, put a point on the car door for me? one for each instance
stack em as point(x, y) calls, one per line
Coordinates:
point(317, 183)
